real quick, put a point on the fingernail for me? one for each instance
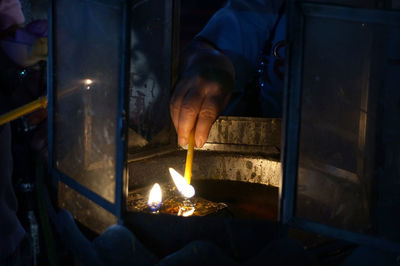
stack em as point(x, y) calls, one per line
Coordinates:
point(182, 141)
point(199, 143)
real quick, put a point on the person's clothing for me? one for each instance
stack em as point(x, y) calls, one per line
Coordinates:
point(11, 231)
point(240, 30)
point(22, 255)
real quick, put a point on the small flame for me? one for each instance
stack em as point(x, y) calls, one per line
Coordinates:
point(88, 82)
point(181, 184)
point(155, 197)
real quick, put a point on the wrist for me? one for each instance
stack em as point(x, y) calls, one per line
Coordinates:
point(203, 55)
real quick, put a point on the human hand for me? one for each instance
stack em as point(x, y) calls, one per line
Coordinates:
point(201, 94)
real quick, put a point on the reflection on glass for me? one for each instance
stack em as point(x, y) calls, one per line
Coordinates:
point(150, 76)
point(343, 122)
point(86, 81)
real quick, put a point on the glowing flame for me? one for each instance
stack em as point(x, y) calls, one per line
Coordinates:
point(155, 197)
point(87, 83)
point(181, 184)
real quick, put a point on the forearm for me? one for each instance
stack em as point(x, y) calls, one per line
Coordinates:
point(202, 56)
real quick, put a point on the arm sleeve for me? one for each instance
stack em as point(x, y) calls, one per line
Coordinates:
point(240, 30)
point(10, 13)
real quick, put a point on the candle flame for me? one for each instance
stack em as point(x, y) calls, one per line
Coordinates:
point(88, 82)
point(181, 184)
point(155, 197)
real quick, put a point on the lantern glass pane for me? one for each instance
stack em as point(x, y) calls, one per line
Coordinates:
point(150, 74)
point(86, 81)
point(349, 151)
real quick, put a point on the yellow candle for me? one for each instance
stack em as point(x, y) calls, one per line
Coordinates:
point(24, 110)
point(189, 157)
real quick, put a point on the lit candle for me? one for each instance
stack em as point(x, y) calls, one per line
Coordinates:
point(181, 184)
point(155, 198)
point(189, 157)
point(187, 207)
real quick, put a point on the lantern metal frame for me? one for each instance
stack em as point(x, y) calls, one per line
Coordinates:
point(117, 208)
point(297, 13)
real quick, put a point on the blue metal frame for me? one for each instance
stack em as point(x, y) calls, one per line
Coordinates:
point(291, 113)
point(385, 17)
point(117, 207)
point(72, 183)
point(121, 186)
point(50, 94)
point(297, 12)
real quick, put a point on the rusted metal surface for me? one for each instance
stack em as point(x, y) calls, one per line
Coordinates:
point(228, 134)
point(245, 134)
point(238, 148)
point(207, 165)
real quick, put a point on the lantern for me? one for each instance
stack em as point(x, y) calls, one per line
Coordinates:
point(112, 66)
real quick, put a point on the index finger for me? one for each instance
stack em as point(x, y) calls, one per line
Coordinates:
point(207, 115)
point(190, 109)
point(176, 101)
